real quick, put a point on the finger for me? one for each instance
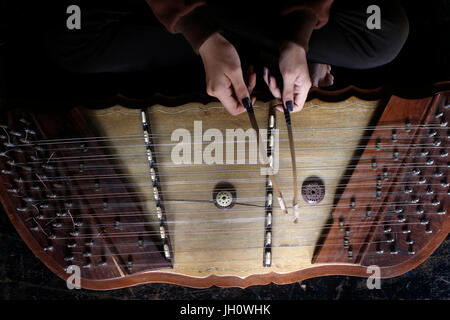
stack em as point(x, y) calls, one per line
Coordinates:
point(251, 82)
point(288, 91)
point(239, 86)
point(250, 70)
point(279, 107)
point(229, 102)
point(300, 98)
point(266, 75)
point(271, 83)
point(232, 105)
point(253, 100)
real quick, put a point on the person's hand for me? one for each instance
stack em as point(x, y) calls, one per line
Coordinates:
point(224, 78)
point(294, 71)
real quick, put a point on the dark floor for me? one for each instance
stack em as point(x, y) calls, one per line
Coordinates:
point(424, 61)
point(23, 276)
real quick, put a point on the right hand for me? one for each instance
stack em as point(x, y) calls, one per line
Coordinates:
point(224, 78)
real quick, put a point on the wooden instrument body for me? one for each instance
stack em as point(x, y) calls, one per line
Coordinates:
point(210, 246)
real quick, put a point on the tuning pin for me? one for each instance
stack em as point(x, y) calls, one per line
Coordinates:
point(347, 233)
point(408, 126)
point(432, 133)
point(406, 230)
point(385, 174)
point(71, 244)
point(61, 213)
point(389, 238)
point(408, 239)
point(75, 232)
point(415, 199)
point(437, 142)
point(105, 204)
point(81, 166)
point(130, 263)
point(140, 242)
point(378, 194)
point(374, 164)
point(346, 243)
point(51, 236)
point(420, 210)
point(103, 261)
point(96, 185)
point(57, 223)
point(379, 250)
point(394, 136)
point(49, 246)
point(378, 144)
point(69, 257)
point(87, 252)
point(353, 203)
point(435, 202)
point(341, 224)
point(87, 264)
point(398, 210)
point(350, 253)
point(395, 155)
point(394, 248)
point(117, 224)
point(438, 173)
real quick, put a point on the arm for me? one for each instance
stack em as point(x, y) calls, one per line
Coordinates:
point(224, 78)
point(301, 19)
point(192, 19)
point(298, 23)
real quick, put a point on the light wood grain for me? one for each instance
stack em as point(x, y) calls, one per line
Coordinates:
point(208, 241)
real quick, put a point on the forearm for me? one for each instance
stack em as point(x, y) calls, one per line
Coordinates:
point(300, 18)
point(192, 20)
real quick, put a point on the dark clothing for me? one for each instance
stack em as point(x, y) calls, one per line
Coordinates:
point(193, 19)
point(129, 38)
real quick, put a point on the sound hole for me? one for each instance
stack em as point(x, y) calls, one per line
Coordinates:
point(313, 190)
point(224, 195)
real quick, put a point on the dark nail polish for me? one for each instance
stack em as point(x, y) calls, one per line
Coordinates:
point(290, 105)
point(287, 116)
point(264, 71)
point(247, 104)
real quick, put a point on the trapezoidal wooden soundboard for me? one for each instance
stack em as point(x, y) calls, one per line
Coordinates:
point(164, 194)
